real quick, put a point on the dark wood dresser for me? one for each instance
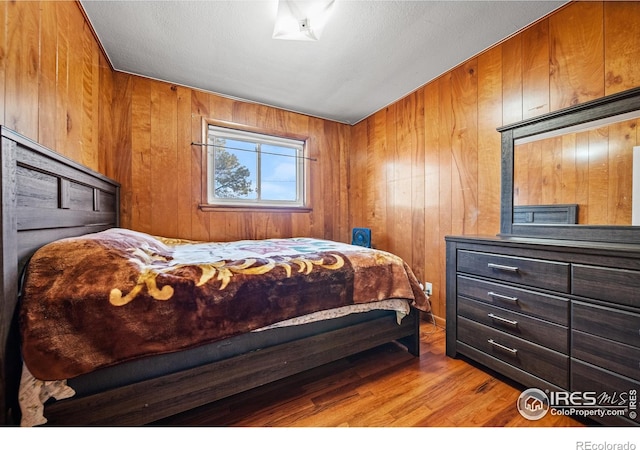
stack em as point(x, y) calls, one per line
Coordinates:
point(561, 316)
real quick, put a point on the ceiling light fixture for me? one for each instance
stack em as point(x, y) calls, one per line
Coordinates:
point(301, 20)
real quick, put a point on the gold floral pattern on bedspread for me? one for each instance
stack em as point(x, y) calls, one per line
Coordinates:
point(152, 265)
point(104, 298)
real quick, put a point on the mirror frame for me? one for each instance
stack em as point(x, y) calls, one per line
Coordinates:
point(602, 108)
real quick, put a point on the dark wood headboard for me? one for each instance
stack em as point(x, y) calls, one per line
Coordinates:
point(45, 197)
point(546, 214)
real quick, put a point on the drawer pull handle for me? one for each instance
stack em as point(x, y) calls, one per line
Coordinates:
point(511, 351)
point(501, 267)
point(513, 323)
point(502, 297)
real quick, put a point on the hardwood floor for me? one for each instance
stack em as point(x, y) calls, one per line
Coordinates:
point(383, 387)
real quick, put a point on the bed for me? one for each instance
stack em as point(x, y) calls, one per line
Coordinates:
point(134, 368)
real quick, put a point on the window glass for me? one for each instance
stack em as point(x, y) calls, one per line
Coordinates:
point(246, 168)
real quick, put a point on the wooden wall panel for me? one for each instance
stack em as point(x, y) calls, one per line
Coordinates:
point(535, 70)
point(21, 83)
point(446, 167)
point(464, 146)
point(598, 170)
point(418, 182)
point(368, 177)
point(433, 242)
point(50, 78)
point(342, 145)
point(63, 118)
point(185, 203)
point(141, 156)
point(90, 98)
point(200, 108)
point(73, 88)
point(576, 53)
point(489, 118)
point(106, 145)
point(408, 179)
point(375, 179)
point(322, 179)
point(329, 140)
point(512, 93)
point(121, 155)
point(582, 176)
point(48, 75)
point(396, 213)
point(580, 52)
point(163, 158)
point(622, 41)
point(358, 173)
point(622, 138)
point(569, 169)
point(551, 160)
point(167, 186)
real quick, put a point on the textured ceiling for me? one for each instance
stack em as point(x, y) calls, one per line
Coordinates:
point(371, 53)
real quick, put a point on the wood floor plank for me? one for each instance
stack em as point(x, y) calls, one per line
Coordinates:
point(381, 387)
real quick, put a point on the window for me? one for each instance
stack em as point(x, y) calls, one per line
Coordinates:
point(251, 169)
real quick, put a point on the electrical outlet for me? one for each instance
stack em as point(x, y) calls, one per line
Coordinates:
point(428, 288)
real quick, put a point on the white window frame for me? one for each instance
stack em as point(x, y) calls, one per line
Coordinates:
point(259, 139)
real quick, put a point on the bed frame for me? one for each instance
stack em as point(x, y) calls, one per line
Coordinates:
point(546, 214)
point(47, 197)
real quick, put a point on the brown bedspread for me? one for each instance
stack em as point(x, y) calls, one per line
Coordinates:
point(103, 298)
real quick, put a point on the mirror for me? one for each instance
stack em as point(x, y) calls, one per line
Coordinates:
point(569, 174)
point(590, 168)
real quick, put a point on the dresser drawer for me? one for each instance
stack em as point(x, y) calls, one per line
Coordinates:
point(547, 307)
point(621, 358)
point(538, 331)
point(607, 385)
point(620, 326)
point(539, 361)
point(531, 272)
point(607, 284)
